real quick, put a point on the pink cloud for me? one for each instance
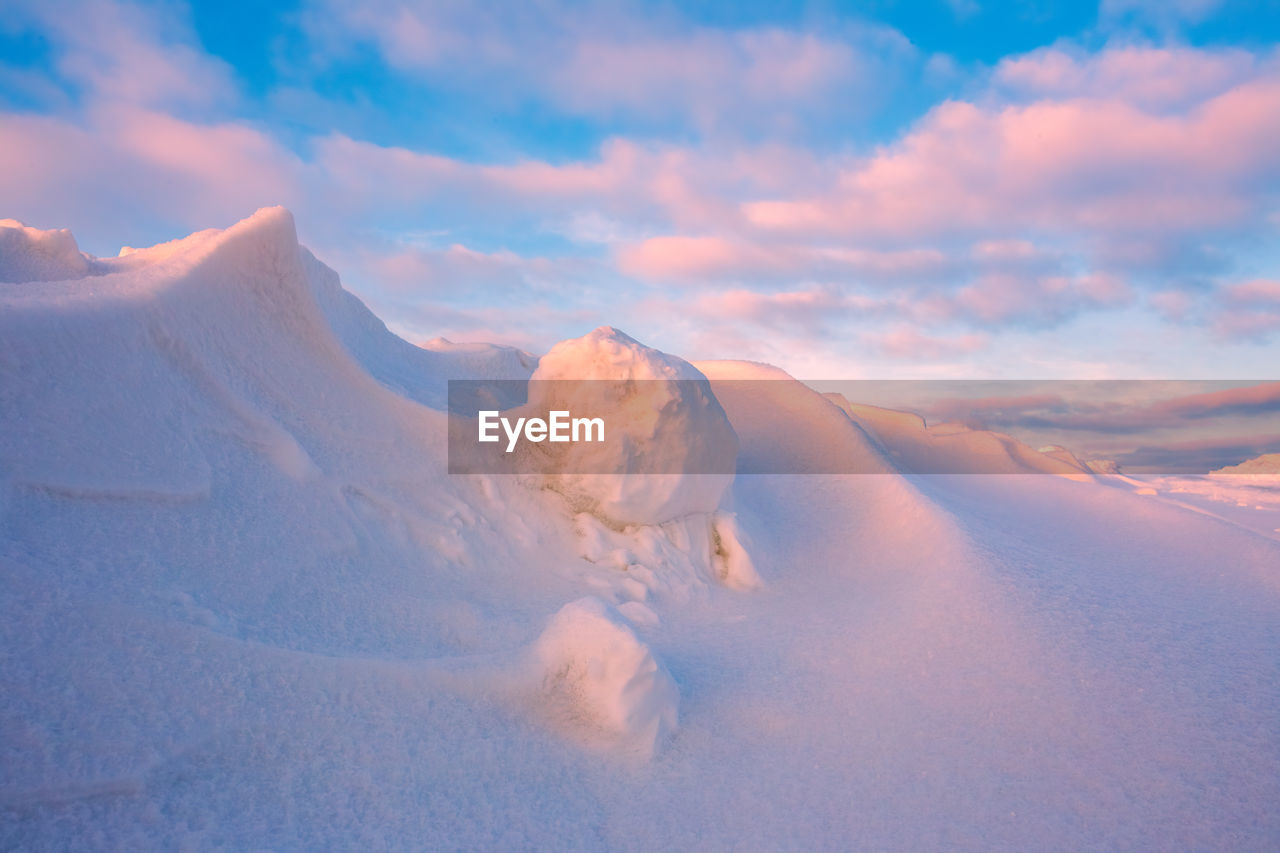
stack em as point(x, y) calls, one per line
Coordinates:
point(128, 53)
point(1257, 292)
point(975, 215)
point(703, 73)
point(910, 344)
point(1249, 310)
point(1246, 325)
point(133, 159)
point(626, 180)
point(1064, 166)
point(694, 259)
point(1001, 297)
point(1173, 305)
point(1155, 78)
point(1263, 397)
point(808, 309)
point(603, 60)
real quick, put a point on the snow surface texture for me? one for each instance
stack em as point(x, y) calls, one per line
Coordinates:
point(669, 420)
point(243, 606)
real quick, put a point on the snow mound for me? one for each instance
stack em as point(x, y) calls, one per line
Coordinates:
point(950, 448)
point(484, 361)
point(676, 456)
point(30, 254)
point(1267, 463)
point(785, 427)
point(602, 681)
point(674, 562)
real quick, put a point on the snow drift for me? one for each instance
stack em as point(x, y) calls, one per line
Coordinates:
point(243, 605)
point(598, 675)
point(954, 448)
point(29, 254)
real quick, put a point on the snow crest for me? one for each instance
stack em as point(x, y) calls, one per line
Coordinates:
point(30, 254)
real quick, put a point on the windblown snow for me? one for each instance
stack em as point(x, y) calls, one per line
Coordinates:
point(244, 605)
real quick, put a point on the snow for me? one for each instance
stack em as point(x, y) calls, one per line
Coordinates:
point(764, 403)
point(1268, 463)
point(244, 605)
point(598, 676)
point(670, 441)
point(732, 553)
point(955, 448)
point(29, 254)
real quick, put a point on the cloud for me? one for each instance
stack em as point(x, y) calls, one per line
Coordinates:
point(1197, 456)
point(907, 343)
point(1260, 292)
point(626, 180)
point(1114, 408)
point(979, 412)
point(454, 272)
point(999, 298)
point(139, 53)
point(811, 312)
point(1249, 310)
point(1160, 79)
point(1261, 399)
point(127, 162)
point(619, 60)
point(1065, 182)
point(1067, 167)
point(697, 259)
point(1161, 13)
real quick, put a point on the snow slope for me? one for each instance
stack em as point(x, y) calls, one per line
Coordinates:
point(244, 606)
point(954, 448)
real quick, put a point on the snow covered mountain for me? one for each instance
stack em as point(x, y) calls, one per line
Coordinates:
point(244, 605)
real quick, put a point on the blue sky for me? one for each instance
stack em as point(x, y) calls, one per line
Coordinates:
point(886, 189)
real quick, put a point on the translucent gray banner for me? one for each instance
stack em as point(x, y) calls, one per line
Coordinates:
point(763, 426)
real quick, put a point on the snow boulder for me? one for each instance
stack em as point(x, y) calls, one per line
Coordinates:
point(670, 450)
point(602, 681)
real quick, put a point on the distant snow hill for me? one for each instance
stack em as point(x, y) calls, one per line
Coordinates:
point(1267, 463)
point(243, 604)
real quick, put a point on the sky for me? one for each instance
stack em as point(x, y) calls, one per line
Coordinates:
point(937, 189)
